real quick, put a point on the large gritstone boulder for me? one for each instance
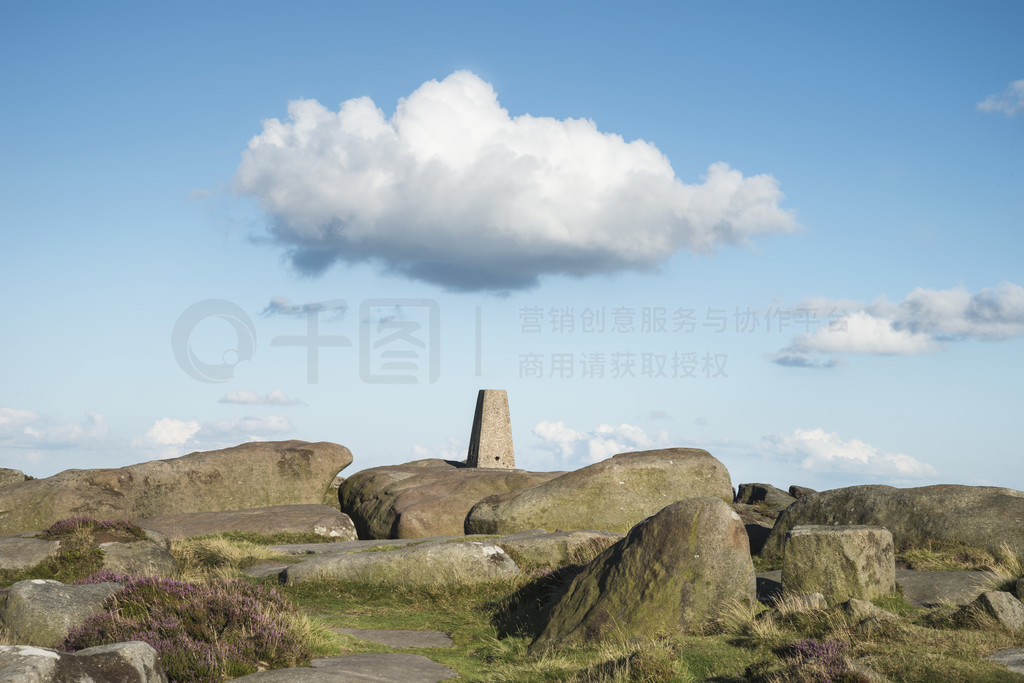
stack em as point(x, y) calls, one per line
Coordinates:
point(612, 495)
point(679, 570)
point(247, 476)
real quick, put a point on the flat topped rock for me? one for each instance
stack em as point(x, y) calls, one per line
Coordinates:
point(384, 667)
point(24, 551)
point(1012, 658)
point(399, 639)
point(322, 520)
point(928, 589)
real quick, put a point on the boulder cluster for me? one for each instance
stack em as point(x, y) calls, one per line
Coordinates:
point(662, 542)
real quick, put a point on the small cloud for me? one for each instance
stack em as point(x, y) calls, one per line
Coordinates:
point(170, 437)
point(250, 398)
point(659, 415)
point(280, 305)
point(199, 193)
point(453, 190)
point(27, 429)
point(1010, 101)
point(924, 322)
point(820, 451)
point(700, 421)
point(603, 442)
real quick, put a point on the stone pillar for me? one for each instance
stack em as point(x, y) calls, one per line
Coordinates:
point(490, 444)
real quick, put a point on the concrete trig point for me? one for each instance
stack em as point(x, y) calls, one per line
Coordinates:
point(490, 444)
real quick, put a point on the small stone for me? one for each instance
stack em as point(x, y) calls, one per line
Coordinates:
point(1001, 606)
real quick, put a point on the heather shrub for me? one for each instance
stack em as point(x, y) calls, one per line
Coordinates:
point(203, 632)
point(808, 660)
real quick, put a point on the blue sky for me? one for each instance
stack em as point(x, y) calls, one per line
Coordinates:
point(586, 204)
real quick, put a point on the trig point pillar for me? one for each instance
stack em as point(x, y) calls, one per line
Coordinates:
point(490, 444)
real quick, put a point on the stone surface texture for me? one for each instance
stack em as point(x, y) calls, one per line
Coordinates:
point(774, 499)
point(839, 562)
point(322, 520)
point(41, 612)
point(139, 558)
point(612, 495)
point(9, 476)
point(425, 497)
point(490, 442)
point(677, 570)
point(132, 662)
point(381, 667)
point(246, 476)
point(423, 564)
point(980, 516)
point(24, 551)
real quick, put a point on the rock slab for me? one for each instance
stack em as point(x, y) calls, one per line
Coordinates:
point(839, 562)
point(322, 520)
point(423, 564)
point(675, 571)
point(40, 612)
point(25, 551)
point(132, 662)
point(613, 494)
point(490, 442)
point(246, 476)
point(425, 497)
point(980, 516)
point(399, 638)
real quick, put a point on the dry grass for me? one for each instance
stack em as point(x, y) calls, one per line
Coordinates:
point(215, 557)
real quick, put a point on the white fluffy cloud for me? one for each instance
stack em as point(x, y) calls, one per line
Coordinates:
point(606, 440)
point(275, 397)
point(820, 451)
point(1009, 102)
point(169, 437)
point(453, 190)
point(920, 323)
point(27, 429)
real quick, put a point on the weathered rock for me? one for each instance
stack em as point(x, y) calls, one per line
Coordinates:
point(490, 442)
point(613, 495)
point(425, 497)
point(24, 551)
point(675, 571)
point(757, 523)
point(774, 499)
point(399, 639)
point(1004, 607)
point(132, 662)
point(332, 497)
point(1010, 657)
point(318, 519)
point(800, 491)
point(980, 516)
point(139, 558)
point(538, 549)
point(41, 612)
point(839, 562)
point(246, 476)
point(930, 589)
point(9, 476)
point(423, 564)
point(862, 609)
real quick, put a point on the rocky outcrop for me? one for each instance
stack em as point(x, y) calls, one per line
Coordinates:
point(839, 562)
point(9, 476)
point(613, 494)
point(421, 564)
point(133, 662)
point(246, 476)
point(315, 519)
point(673, 572)
point(980, 516)
point(775, 500)
point(538, 549)
point(425, 497)
point(139, 558)
point(41, 612)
